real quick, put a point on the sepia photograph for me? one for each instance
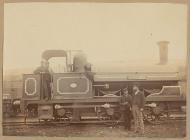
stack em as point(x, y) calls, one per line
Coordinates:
point(95, 69)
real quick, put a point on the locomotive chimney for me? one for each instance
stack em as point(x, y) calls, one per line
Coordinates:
point(163, 50)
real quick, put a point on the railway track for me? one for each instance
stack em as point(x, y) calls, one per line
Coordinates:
point(66, 123)
point(62, 123)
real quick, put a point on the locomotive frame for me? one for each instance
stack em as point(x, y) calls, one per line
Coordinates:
point(72, 104)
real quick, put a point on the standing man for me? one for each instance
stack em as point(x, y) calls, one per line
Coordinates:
point(126, 103)
point(138, 101)
point(46, 79)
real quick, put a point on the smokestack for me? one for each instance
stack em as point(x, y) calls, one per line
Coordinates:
point(163, 49)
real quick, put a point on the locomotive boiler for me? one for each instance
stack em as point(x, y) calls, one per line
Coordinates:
point(80, 94)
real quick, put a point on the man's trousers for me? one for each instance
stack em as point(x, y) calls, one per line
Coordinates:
point(138, 119)
point(127, 118)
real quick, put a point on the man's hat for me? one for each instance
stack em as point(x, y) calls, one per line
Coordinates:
point(138, 85)
point(125, 89)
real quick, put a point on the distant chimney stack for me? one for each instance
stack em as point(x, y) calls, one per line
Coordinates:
point(163, 49)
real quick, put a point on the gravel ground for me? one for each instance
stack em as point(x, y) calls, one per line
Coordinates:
point(170, 129)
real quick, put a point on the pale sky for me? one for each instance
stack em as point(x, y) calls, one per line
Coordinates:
point(104, 31)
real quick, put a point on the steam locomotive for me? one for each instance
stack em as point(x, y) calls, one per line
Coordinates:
point(80, 94)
